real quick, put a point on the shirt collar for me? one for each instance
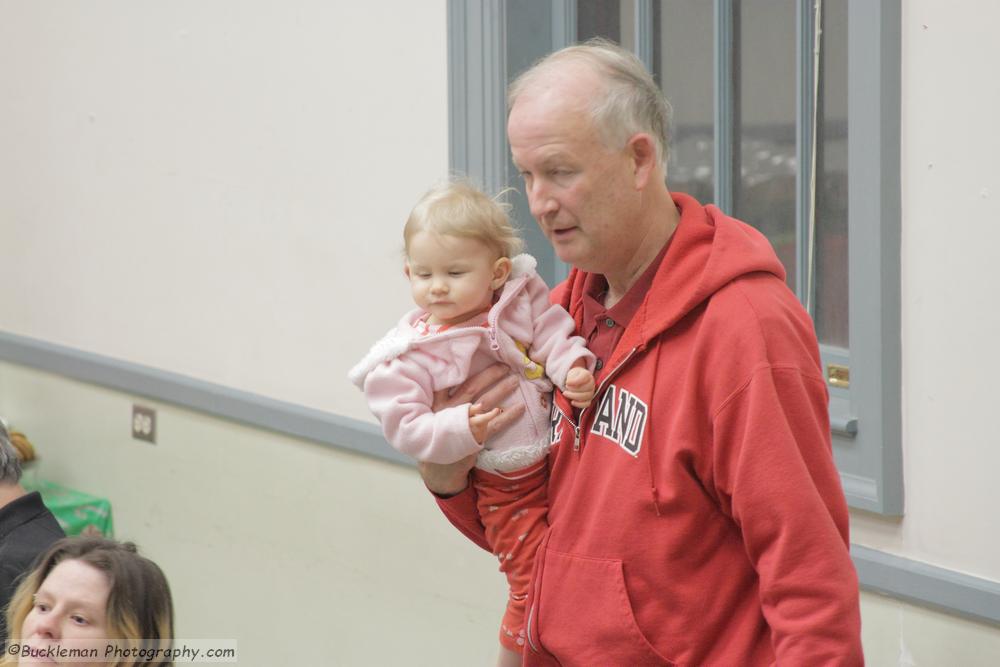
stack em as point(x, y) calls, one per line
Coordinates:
point(595, 288)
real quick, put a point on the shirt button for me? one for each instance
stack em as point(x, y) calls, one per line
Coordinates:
point(610, 322)
point(599, 365)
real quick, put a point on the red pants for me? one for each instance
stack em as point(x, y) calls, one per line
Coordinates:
point(513, 508)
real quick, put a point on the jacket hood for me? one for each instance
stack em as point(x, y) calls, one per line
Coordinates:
point(708, 251)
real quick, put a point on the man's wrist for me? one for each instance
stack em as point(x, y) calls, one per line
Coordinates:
point(445, 495)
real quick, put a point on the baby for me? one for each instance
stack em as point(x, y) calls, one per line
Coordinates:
point(479, 303)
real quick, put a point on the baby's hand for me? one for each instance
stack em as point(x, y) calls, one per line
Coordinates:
point(479, 421)
point(580, 387)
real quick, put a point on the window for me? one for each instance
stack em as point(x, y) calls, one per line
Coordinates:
point(744, 83)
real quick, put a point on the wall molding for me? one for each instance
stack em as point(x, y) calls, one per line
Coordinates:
point(927, 585)
point(879, 572)
point(217, 400)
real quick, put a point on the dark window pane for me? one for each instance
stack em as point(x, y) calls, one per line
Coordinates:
point(831, 179)
point(683, 65)
point(598, 18)
point(765, 159)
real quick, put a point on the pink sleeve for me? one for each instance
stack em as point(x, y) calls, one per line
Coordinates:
point(399, 393)
point(553, 343)
point(775, 476)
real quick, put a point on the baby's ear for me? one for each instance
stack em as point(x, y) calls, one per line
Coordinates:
point(501, 272)
point(406, 269)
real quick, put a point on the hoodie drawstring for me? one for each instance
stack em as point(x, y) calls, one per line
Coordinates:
point(651, 435)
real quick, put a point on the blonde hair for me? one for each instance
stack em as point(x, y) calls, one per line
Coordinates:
point(457, 208)
point(139, 603)
point(630, 102)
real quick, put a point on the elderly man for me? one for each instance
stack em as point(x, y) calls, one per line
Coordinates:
point(696, 515)
point(27, 527)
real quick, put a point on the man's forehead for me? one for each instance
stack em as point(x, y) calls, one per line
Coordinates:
point(542, 155)
point(549, 95)
point(548, 129)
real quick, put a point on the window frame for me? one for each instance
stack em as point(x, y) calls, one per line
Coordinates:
point(492, 40)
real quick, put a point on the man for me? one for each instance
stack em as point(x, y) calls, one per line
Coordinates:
point(696, 515)
point(27, 527)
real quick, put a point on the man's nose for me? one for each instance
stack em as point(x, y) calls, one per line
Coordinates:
point(540, 202)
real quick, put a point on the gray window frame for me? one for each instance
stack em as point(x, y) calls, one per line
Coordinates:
point(492, 40)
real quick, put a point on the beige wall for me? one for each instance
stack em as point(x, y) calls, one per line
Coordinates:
point(207, 183)
point(951, 205)
point(951, 202)
point(901, 635)
point(305, 554)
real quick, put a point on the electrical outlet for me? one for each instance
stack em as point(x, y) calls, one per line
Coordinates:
point(144, 423)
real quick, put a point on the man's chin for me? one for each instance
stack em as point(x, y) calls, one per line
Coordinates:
point(570, 254)
point(566, 250)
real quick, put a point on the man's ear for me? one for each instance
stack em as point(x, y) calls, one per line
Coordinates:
point(501, 272)
point(642, 152)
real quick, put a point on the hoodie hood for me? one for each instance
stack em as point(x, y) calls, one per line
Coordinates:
point(708, 250)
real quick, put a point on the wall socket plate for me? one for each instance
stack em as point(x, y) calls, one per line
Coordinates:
point(144, 423)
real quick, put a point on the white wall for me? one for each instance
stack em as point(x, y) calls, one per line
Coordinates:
point(305, 554)
point(951, 206)
point(902, 635)
point(202, 184)
point(950, 326)
point(246, 167)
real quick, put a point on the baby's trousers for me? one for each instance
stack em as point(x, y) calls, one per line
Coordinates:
point(513, 508)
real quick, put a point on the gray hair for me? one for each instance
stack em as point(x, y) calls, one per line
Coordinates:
point(10, 465)
point(630, 103)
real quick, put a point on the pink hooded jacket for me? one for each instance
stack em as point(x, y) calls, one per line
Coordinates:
point(402, 371)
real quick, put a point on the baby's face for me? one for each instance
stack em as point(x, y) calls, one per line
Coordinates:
point(451, 277)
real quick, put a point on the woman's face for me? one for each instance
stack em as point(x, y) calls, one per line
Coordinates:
point(69, 612)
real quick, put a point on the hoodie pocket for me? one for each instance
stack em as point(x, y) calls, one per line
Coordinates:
point(585, 616)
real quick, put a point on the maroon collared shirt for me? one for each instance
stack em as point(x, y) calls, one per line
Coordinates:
point(602, 327)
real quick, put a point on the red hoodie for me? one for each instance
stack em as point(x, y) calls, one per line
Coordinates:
point(696, 515)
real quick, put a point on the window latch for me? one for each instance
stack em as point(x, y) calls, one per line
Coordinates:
point(838, 376)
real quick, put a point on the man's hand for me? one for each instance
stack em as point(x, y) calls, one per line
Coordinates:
point(487, 389)
point(447, 479)
point(580, 387)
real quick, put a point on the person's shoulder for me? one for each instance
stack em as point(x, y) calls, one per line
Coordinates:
point(39, 519)
point(760, 294)
point(758, 319)
point(559, 295)
point(34, 533)
point(394, 343)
